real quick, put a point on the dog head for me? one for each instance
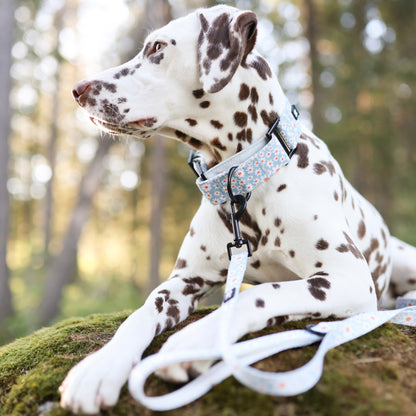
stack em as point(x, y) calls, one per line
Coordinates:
point(188, 72)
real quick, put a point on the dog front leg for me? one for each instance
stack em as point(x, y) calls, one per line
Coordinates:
point(96, 381)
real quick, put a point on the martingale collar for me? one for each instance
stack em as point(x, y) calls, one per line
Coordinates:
point(254, 164)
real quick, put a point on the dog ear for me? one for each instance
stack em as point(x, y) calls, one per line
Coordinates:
point(224, 42)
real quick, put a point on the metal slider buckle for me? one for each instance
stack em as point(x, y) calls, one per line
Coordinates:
point(274, 130)
point(195, 164)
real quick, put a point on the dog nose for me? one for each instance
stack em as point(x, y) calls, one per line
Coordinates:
point(80, 91)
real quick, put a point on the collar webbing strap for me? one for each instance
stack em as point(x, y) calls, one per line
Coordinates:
point(256, 163)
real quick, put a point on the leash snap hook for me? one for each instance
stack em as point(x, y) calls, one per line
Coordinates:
point(235, 216)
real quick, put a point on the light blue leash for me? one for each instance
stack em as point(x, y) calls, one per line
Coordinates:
point(236, 358)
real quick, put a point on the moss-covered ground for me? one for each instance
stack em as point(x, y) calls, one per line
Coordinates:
point(374, 375)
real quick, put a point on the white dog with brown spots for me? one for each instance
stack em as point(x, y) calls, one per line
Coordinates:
point(199, 80)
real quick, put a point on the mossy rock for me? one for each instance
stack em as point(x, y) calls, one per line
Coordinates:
point(374, 375)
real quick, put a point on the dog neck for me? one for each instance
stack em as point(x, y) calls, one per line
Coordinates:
point(218, 134)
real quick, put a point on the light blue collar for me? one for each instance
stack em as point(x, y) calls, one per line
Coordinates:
point(255, 164)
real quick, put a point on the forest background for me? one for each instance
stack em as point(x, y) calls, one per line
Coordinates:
point(89, 223)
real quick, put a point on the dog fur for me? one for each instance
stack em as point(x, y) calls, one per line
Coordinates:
point(200, 81)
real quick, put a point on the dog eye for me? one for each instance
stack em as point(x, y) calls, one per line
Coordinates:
point(157, 46)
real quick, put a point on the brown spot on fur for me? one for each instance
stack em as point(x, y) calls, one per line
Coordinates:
point(217, 155)
point(271, 101)
point(350, 247)
point(195, 143)
point(277, 242)
point(247, 220)
point(374, 245)
point(254, 95)
point(241, 135)
point(180, 135)
point(244, 92)
point(322, 244)
point(190, 289)
point(320, 273)
point(319, 169)
point(329, 166)
point(216, 143)
point(268, 118)
point(253, 112)
point(159, 304)
point(191, 122)
point(199, 281)
point(164, 292)
point(173, 311)
point(277, 222)
point(316, 287)
point(383, 234)
point(292, 253)
point(249, 135)
point(168, 324)
point(180, 264)
point(318, 264)
point(217, 124)
point(255, 264)
point(277, 320)
point(262, 67)
point(302, 152)
point(198, 93)
point(205, 104)
point(260, 303)
point(361, 229)
point(155, 59)
point(281, 188)
point(336, 197)
point(240, 119)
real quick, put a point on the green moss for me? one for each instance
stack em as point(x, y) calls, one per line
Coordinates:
point(375, 374)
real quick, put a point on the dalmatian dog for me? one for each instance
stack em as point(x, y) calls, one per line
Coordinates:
point(199, 80)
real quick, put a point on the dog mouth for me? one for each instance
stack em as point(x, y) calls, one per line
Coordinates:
point(142, 128)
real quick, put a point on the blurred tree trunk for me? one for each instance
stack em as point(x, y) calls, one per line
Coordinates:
point(52, 142)
point(311, 32)
point(63, 267)
point(158, 13)
point(6, 40)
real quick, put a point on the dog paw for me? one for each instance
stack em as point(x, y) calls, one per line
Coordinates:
point(96, 381)
point(202, 334)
